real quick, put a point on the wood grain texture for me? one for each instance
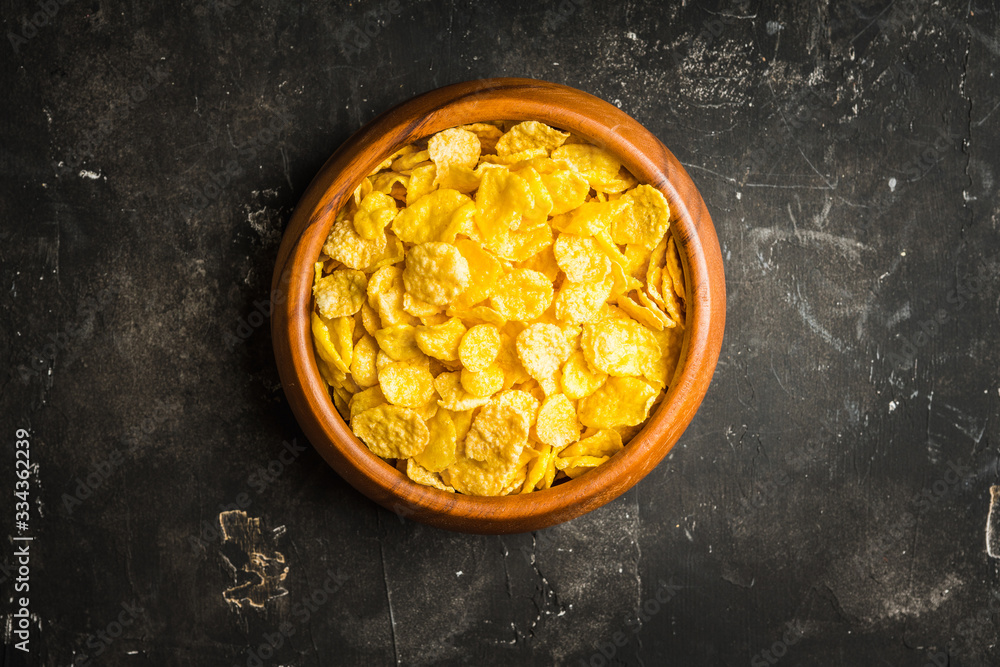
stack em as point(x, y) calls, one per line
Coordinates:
point(474, 101)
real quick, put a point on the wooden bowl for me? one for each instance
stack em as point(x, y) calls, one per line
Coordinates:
point(476, 101)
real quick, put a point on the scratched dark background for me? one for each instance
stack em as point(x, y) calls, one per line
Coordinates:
point(835, 481)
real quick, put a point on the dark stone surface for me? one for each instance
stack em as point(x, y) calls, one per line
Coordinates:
point(848, 154)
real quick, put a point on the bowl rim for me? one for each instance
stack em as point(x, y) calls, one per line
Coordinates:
point(476, 101)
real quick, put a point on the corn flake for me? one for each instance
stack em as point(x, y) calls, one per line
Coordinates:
point(422, 180)
point(441, 341)
point(543, 262)
point(581, 259)
point(399, 342)
point(479, 479)
point(479, 347)
point(579, 379)
point(642, 314)
point(487, 133)
point(485, 270)
point(436, 273)
point(342, 337)
point(590, 218)
point(557, 423)
point(644, 221)
point(393, 254)
point(504, 200)
point(405, 385)
point(422, 475)
point(384, 280)
point(432, 217)
point(418, 308)
point(453, 396)
point(654, 310)
point(542, 349)
point(522, 401)
point(363, 361)
point(566, 188)
point(325, 347)
point(340, 293)
point(346, 246)
point(577, 303)
point(523, 244)
point(483, 383)
point(599, 167)
point(605, 442)
point(522, 295)
point(391, 432)
point(621, 401)
point(454, 147)
point(498, 435)
point(407, 161)
point(578, 465)
point(375, 212)
point(458, 178)
point(366, 400)
point(530, 136)
point(370, 319)
point(386, 163)
point(440, 450)
point(537, 469)
point(618, 347)
point(385, 182)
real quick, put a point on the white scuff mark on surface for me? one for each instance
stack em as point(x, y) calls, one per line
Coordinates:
point(849, 247)
point(902, 314)
point(806, 314)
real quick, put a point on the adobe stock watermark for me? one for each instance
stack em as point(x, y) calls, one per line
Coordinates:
point(65, 341)
point(99, 642)
point(301, 612)
point(354, 39)
point(555, 18)
point(937, 659)
point(202, 194)
point(101, 471)
point(262, 477)
point(903, 357)
point(711, 30)
point(541, 541)
point(30, 25)
point(245, 326)
point(913, 169)
point(222, 6)
point(981, 621)
point(895, 16)
point(606, 650)
point(956, 473)
point(766, 489)
point(120, 110)
point(801, 108)
point(779, 649)
point(918, 167)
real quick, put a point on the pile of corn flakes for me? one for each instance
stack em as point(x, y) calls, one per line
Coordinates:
point(499, 308)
